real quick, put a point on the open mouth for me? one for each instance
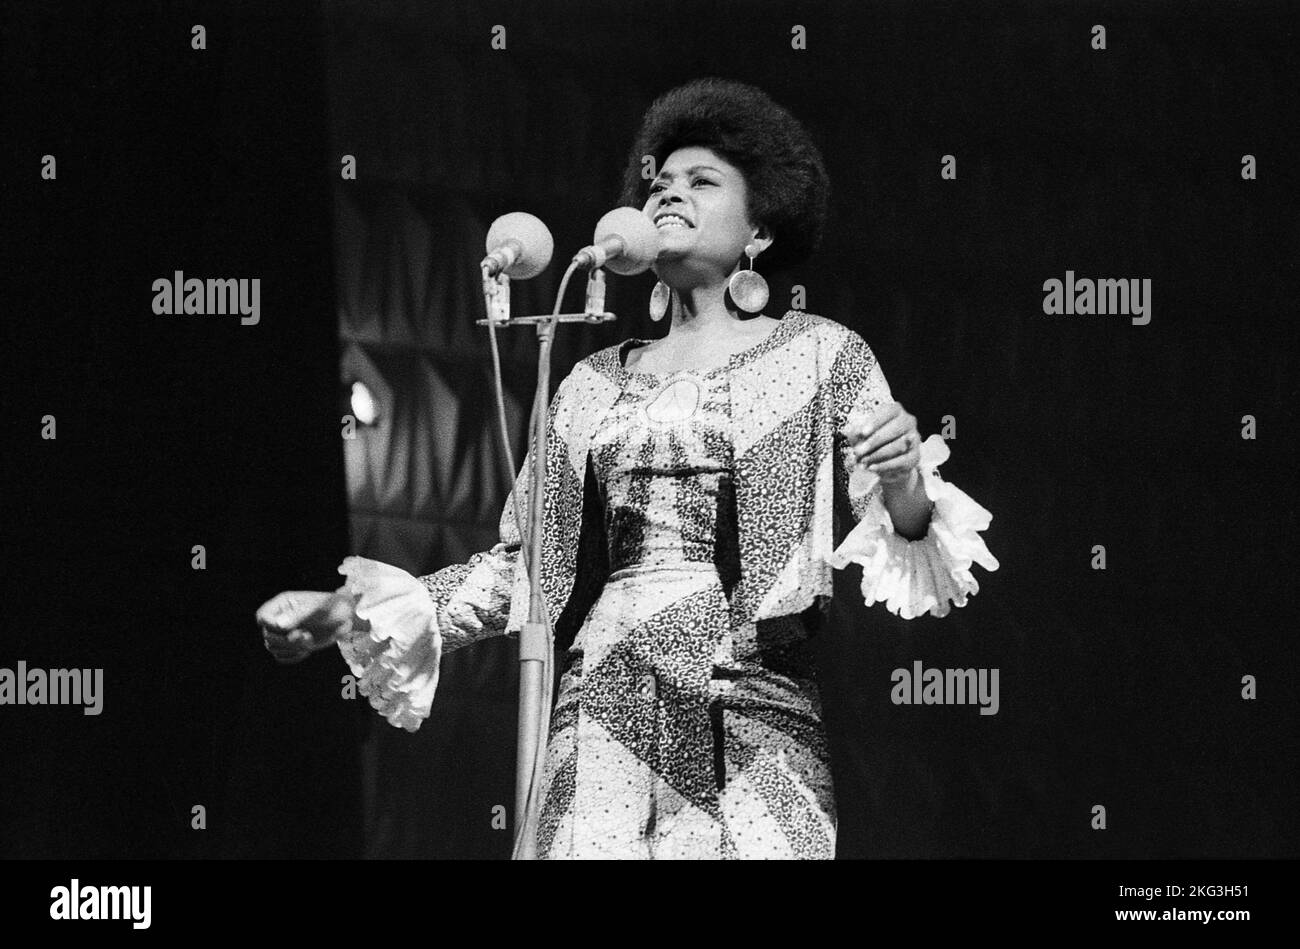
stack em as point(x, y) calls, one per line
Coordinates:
point(670, 220)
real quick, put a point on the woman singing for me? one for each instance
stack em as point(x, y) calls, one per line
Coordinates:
point(688, 548)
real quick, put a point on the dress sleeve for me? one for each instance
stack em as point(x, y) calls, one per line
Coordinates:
point(911, 577)
point(408, 622)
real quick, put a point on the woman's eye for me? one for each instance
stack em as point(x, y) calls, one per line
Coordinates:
point(655, 189)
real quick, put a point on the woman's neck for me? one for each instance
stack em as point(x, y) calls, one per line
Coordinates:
point(703, 310)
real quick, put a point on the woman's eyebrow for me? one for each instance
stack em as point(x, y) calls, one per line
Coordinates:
point(690, 171)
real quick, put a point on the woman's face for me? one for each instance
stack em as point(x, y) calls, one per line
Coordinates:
point(707, 237)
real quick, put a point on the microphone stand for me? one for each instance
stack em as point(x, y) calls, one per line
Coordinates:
point(536, 642)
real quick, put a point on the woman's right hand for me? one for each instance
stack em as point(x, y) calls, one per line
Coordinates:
point(297, 623)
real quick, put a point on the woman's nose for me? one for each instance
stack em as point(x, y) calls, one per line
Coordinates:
point(668, 200)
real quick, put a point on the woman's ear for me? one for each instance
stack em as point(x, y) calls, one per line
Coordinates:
point(762, 238)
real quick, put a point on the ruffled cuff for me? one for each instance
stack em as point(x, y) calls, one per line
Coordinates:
point(913, 577)
point(395, 661)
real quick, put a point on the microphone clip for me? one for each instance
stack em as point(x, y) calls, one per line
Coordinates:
point(595, 293)
point(496, 295)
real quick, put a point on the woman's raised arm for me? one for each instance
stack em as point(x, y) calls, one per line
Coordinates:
point(911, 577)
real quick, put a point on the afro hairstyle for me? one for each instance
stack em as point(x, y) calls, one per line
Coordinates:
point(786, 182)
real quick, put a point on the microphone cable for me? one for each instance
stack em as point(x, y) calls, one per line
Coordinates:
point(541, 396)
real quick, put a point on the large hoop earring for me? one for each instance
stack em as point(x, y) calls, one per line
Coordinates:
point(660, 298)
point(748, 289)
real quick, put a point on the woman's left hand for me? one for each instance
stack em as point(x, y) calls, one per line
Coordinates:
point(888, 444)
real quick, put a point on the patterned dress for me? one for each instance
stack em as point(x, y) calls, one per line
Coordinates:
point(687, 550)
point(674, 734)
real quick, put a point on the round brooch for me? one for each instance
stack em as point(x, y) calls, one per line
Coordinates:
point(676, 401)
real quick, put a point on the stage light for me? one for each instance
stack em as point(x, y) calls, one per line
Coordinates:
point(364, 406)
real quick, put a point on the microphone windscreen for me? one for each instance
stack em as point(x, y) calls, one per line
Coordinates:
point(533, 236)
point(640, 239)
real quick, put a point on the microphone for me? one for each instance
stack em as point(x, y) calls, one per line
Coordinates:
point(518, 243)
point(625, 240)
